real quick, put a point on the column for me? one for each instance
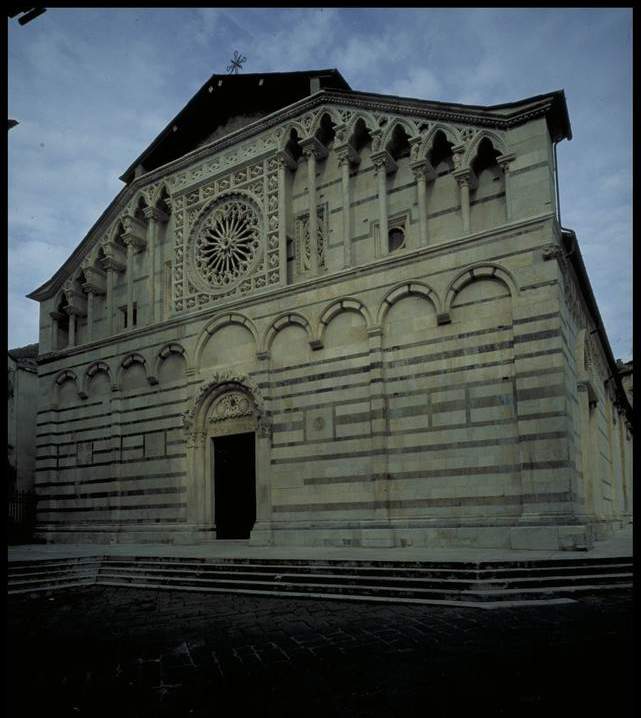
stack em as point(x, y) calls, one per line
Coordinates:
point(285, 162)
point(505, 162)
point(421, 173)
point(313, 150)
point(90, 315)
point(130, 284)
point(109, 301)
point(155, 217)
point(313, 215)
point(135, 238)
point(463, 178)
point(72, 328)
point(346, 157)
point(384, 163)
point(111, 262)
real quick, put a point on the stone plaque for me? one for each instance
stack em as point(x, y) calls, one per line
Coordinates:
point(155, 444)
point(84, 453)
point(319, 424)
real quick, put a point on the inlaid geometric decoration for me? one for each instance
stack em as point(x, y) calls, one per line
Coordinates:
point(303, 240)
point(227, 236)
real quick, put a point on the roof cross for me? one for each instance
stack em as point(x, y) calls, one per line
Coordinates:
point(236, 63)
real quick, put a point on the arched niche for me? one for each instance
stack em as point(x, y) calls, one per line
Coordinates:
point(133, 373)
point(65, 389)
point(171, 364)
point(227, 340)
point(228, 405)
point(408, 316)
point(97, 380)
point(287, 341)
point(482, 306)
point(99, 385)
point(343, 328)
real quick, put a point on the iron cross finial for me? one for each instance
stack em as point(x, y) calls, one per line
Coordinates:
point(236, 63)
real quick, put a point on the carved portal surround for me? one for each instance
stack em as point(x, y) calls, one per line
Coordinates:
point(226, 403)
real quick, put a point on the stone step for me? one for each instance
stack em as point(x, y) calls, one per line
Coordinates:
point(367, 593)
point(353, 585)
point(421, 581)
point(400, 570)
point(47, 587)
point(383, 564)
point(355, 579)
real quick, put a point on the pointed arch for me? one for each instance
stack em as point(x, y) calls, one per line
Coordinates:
point(287, 130)
point(497, 142)
point(407, 126)
point(368, 120)
point(318, 117)
point(406, 289)
point(484, 270)
point(428, 141)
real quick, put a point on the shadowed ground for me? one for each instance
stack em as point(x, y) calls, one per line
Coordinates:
point(101, 651)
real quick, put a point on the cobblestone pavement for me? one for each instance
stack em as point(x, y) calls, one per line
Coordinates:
point(128, 653)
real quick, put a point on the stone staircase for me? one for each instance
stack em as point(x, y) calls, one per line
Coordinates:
point(484, 584)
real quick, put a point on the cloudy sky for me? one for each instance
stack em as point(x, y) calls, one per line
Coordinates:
point(92, 87)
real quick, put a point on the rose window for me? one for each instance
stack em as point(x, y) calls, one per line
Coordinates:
point(227, 243)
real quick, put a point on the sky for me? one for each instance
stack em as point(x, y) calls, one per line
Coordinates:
point(91, 88)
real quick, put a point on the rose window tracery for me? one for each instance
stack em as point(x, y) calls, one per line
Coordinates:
point(227, 243)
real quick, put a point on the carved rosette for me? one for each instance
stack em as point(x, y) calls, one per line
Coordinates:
point(231, 405)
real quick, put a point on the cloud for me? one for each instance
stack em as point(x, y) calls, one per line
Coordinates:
point(93, 87)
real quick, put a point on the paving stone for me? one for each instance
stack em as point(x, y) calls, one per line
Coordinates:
point(331, 658)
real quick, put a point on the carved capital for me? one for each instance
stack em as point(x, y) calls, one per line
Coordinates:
point(94, 281)
point(135, 232)
point(114, 257)
point(313, 146)
point(76, 302)
point(383, 161)
point(422, 168)
point(155, 214)
point(346, 154)
point(552, 251)
point(505, 161)
point(463, 176)
point(284, 159)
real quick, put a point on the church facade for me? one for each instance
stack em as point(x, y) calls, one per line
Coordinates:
point(317, 316)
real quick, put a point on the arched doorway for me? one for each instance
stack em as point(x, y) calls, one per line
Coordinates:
point(228, 456)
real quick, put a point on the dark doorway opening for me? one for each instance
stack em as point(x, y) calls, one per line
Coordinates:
point(234, 485)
